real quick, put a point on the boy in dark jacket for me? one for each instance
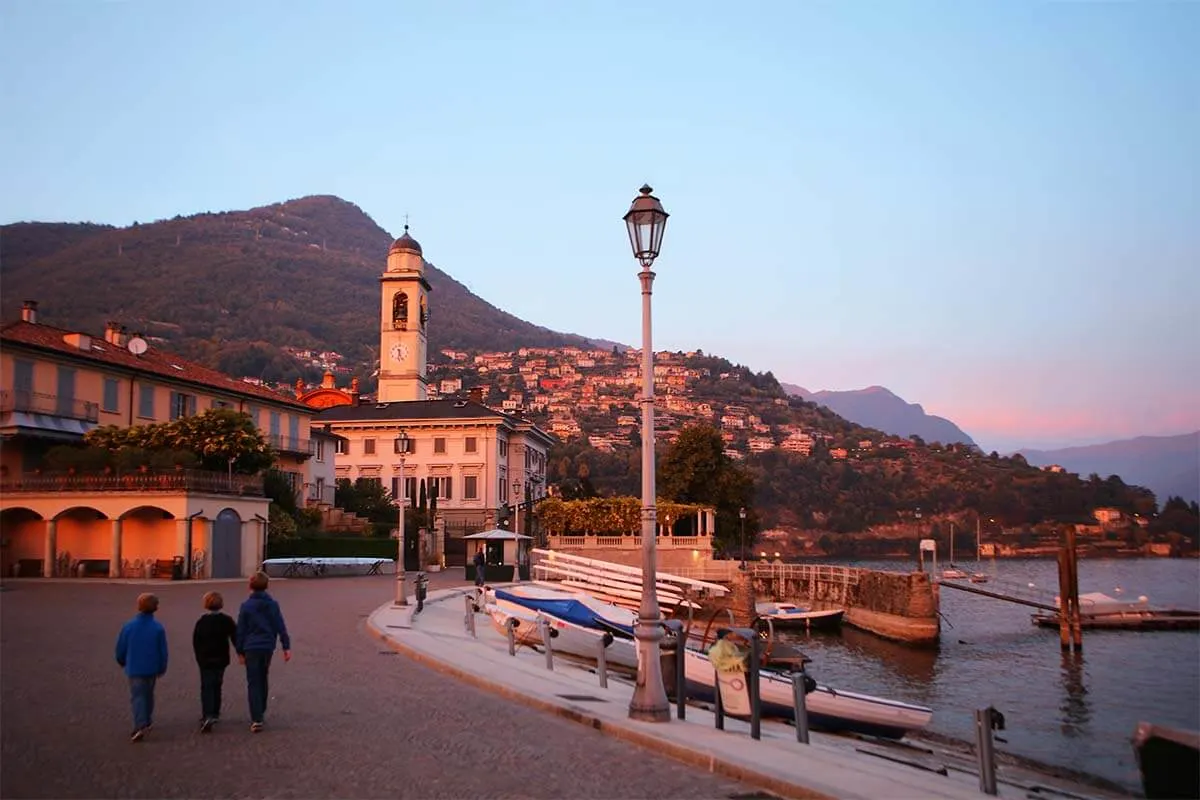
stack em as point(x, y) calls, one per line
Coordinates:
point(211, 637)
point(142, 652)
point(259, 624)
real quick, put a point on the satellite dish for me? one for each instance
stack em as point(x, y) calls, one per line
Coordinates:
point(137, 345)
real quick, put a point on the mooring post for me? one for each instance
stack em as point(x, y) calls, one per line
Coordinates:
point(719, 711)
point(752, 677)
point(602, 660)
point(1076, 613)
point(681, 678)
point(985, 720)
point(547, 635)
point(801, 705)
point(1064, 597)
point(510, 631)
point(469, 619)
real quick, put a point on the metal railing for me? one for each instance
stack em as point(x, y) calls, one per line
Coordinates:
point(290, 444)
point(555, 542)
point(186, 480)
point(49, 404)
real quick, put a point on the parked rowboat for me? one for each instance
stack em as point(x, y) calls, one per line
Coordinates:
point(578, 617)
point(789, 615)
point(828, 709)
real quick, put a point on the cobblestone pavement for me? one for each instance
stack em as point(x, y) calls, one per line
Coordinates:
point(347, 717)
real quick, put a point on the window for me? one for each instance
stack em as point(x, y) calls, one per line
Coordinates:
point(317, 448)
point(274, 423)
point(253, 412)
point(368, 447)
point(339, 447)
point(439, 445)
point(221, 403)
point(23, 381)
point(410, 489)
point(145, 401)
point(503, 448)
point(294, 430)
point(111, 387)
point(503, 488)
point(470, 487)
point(182, 405)
point(472, 444)
point(443, 487)
point(66, 391)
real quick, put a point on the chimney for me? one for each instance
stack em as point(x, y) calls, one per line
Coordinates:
point(476, 394)
point(111, 331)
point(122, 337)
point(29, 311)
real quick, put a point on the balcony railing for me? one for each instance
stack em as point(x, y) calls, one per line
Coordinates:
point(290, 444)
point(186, 480)
point(574, 542)
point(49, 404)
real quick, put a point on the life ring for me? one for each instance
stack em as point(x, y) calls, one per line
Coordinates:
point(736, 684)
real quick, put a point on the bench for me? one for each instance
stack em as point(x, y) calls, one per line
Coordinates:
point(163, 567)
point(92, 566)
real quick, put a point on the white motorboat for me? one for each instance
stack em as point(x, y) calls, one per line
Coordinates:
point(794, 616)
point(568, 637)
point(828, 709)
point(954, 574)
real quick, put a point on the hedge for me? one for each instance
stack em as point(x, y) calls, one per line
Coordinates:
point(344, 546)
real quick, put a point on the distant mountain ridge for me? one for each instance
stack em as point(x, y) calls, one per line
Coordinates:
point(877, 407)
point(230, 289)
point(1167, 465)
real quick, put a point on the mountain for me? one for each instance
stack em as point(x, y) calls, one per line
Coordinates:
point(876, 407)
point(1167, 465)
point(231, 289)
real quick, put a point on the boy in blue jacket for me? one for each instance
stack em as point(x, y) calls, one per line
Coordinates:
point(259, 624)
point(142, 652)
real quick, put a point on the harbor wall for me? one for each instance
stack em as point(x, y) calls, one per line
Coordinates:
point(899, 606)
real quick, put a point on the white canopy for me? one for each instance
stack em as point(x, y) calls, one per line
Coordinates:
point(498, 533)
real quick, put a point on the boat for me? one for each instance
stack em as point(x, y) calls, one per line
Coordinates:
point(1100, 611)
point(977, 576)
point(828, 709)
point(569, 638)
point(953, 573)
point(580, 615)
point(980, 577)
point(578, 608)
point(1169, 760)
point(789, 615)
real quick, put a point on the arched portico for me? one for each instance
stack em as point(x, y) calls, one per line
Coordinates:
point(127, 534)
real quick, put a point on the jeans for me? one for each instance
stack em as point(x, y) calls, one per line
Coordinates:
point(141, 694)
point(211, 679)
point(258, 664)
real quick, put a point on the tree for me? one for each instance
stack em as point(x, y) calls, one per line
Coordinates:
point(221, 438)
point(695, 469)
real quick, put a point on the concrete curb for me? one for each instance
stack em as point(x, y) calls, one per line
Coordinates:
point(627, 732)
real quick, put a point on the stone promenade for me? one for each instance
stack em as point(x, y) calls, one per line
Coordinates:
point(348, 717)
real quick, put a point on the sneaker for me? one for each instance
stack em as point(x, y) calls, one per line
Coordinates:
point(138, 735)
point(207, 725)
point(256, 727)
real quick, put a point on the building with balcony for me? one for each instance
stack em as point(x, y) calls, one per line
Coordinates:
point(55, 386)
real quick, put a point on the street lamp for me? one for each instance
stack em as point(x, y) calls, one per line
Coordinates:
point(516, 494)
point(401, 448)
point(742, 517)
point(646, 221)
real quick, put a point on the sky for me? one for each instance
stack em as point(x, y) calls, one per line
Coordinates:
point(990, 208)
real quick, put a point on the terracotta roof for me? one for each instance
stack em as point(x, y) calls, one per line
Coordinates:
point(409, 409)
point(154, 361)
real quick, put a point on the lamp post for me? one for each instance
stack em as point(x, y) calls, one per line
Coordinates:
point(742, 517)
point(516, 495)
point(646, 221)
point(401, 447)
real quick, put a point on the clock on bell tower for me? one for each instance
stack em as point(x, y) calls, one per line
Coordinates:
point(404, 313)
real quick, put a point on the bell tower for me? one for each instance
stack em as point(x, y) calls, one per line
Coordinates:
point(404, 312)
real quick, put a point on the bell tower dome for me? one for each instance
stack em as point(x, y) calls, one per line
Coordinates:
point(404, 313)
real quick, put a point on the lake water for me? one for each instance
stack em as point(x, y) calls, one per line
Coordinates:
point(1073, 711)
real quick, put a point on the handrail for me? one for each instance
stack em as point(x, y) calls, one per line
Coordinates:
point(48, 404)
point(186, 480)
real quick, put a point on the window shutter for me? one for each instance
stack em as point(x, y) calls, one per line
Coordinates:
point(449, 484)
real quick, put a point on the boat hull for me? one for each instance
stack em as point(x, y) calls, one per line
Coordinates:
point(809, 620)
point(828, 709)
